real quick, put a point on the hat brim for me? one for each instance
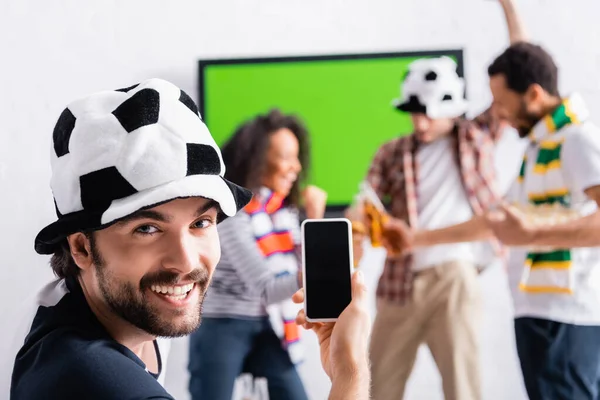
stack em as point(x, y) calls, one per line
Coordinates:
point(411, 106)
point(230, 197)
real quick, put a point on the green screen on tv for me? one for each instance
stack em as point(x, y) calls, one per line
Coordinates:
point(345, 102)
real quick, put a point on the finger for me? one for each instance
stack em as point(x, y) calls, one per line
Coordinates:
point(396, 230)
point(386, 243)
point(504, 205)
point(298, 297)
point(301, 320)
point(495, 216)
point(510, 211)
point(359, 288)
point(391, 224)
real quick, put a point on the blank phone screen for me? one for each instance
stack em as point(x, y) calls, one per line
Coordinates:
point(327, 268)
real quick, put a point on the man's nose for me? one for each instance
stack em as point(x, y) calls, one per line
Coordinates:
point(183, 254)
point(421, 125)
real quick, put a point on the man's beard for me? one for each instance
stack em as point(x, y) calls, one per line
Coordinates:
point(131, 303)
point(528, 119)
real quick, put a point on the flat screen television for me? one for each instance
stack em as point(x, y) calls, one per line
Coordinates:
point(344, 100)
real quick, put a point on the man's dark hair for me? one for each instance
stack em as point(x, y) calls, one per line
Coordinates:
point(245, 154)
point(524, 64)
point(62, 262)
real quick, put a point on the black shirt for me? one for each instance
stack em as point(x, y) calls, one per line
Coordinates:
point(69, 355)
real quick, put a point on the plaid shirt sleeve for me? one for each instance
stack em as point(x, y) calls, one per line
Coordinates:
point(395, 282)
point(476, 149)
point(377, 173)
point(476, 153)
point(489, 122)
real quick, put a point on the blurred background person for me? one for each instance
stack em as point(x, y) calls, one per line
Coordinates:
point(432, 296)
point(551, 218)
point(440, 175)
point(249, 318)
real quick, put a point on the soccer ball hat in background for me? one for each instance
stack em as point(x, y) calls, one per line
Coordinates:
point(116, 152)
point(433, 87)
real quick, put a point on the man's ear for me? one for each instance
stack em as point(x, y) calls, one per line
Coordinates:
point(534, 93)
point(81, 250)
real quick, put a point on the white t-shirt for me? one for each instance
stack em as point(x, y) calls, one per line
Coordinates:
point(580, 160)
point(441, 201)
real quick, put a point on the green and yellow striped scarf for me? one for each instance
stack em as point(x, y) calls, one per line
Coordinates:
point(548, 159)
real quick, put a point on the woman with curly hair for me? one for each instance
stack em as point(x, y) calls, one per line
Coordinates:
point(248, 318)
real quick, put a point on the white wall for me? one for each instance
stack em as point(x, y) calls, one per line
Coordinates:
point(53, 51)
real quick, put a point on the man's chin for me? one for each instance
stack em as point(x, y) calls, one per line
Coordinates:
point(175, 329)
point(181, 323)
point(178, 322)
point(424, 138)
point(523, 132)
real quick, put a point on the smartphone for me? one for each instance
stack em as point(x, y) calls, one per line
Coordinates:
point(327, 262)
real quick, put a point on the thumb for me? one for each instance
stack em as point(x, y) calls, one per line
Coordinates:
point(359, 288)
point(389, 223)
point(510, 211)
point(499, 213)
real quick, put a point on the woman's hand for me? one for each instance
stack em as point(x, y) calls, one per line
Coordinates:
point(315, 200)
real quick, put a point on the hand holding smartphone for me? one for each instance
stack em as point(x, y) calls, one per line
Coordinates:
point(327, 263)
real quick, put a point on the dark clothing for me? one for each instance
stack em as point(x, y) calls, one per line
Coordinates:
point(223, 348)
point(68, 354)
point(559, 361)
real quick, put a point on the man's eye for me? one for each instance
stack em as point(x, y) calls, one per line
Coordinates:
point(203, 223)
point(146, 230)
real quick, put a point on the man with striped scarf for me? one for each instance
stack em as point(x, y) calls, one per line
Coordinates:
point(440, 175)
point(552, 220)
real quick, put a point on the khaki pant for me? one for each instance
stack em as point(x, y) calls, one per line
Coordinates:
point(443, 312)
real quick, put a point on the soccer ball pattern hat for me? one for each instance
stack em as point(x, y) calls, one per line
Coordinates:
point(116, 152)
point(433, 87)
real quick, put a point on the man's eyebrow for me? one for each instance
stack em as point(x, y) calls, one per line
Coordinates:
point(144, 214)
point(158, 216)
point(205, 207)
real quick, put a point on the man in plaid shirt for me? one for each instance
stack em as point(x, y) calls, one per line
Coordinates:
point(440, 175)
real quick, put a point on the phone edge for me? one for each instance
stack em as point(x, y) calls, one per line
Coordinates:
point(351, 264)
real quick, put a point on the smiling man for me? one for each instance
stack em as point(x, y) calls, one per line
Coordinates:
point(551, 219)
point(441, 174)
point(138, 186)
